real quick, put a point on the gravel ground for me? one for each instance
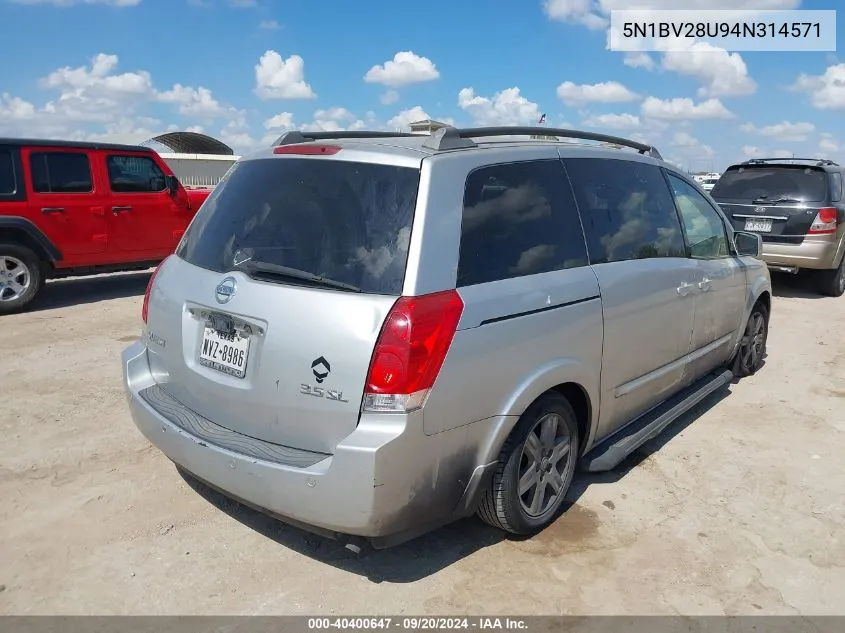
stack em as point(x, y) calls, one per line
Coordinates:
point(737, 509)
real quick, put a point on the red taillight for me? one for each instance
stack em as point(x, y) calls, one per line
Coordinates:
point(410, 351)
point(145, 307)
point(825, 222)
point(307, 150)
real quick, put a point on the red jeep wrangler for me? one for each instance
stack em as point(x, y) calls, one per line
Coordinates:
point(71, 208)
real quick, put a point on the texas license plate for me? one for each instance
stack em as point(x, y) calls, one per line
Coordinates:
point(758, 225)
point(226, 352)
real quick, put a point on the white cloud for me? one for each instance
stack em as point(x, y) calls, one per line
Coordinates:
point(269, 25)
point(280, 122)
point(389, 97)
point(786, 131)
point(722, 74)
point(584, 12)
point(278, 78)
point(681, 109)
point(604, 92)
point(334, 120)
point(73, 3)
point(752, 151)
point(690, 146)
point(827, 91)
point(613, 121)
point(403, 120)
point(828, 144)
point(404, 69)
point(639, 60)
point(507, 107)
point(98, 95)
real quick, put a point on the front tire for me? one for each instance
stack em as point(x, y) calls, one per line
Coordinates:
point(752, 347)
point(21, 277)
point(535, 470)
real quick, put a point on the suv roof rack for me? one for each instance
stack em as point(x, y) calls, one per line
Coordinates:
point(819, 161)
point(449, 137)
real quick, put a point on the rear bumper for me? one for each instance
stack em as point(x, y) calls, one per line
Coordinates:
point(386, 482)
point(815, 253)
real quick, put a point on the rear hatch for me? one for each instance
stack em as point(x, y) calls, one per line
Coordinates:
point(780, 202)
point(265, 320)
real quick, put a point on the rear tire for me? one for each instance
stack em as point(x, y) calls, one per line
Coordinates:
point(832, 282)
point(21, 278)
point(536, 467)
point(752, 346)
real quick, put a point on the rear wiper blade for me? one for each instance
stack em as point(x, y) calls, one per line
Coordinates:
point(250, 267)
point(776, 200)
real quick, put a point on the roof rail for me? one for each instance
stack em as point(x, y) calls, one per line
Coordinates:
point(296, 136)
point(449, 137)
point(818, 161)
point(455, 138)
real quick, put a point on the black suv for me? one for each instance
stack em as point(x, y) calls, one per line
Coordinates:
point(797, 205)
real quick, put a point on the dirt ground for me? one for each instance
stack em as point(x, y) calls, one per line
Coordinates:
point(737, 509)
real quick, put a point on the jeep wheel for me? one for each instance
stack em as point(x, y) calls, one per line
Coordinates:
point(21, 277)
point(752, 347)
point(832, 282)
point(535, 469)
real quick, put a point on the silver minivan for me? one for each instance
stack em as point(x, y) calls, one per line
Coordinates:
point(370, 335)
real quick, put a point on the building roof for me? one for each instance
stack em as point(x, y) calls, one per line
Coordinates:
point(193, 143)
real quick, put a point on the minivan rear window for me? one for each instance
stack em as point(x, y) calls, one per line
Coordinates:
point(347, 222)
point(772, 183)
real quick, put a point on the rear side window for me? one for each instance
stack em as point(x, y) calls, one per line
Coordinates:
point(135, 174)
point(772, 183)
point(345, 221)
point(8, 185)
point(627, 210)
point(518, 219)
point(836, 187)
point(60, 172)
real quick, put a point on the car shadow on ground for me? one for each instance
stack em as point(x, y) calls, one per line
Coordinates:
point(441, 548)
point(795, 286)
point(64, 293)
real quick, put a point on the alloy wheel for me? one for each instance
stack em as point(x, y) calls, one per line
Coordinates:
point(15, 278)
point(545, 457)
point(753, 342)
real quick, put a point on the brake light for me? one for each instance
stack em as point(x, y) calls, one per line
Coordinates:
point(825, 222)
point(410, 351)
point(145, 307)
point(307, 150)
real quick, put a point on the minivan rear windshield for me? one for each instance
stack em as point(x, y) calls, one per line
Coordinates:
point(339, 221)
point(772, 183)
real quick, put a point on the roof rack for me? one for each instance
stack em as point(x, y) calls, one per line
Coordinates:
point(819, 161)
point(455, 138)
point(296, 136)
point(449, 137)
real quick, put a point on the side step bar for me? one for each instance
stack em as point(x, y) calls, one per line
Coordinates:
point(609, 453)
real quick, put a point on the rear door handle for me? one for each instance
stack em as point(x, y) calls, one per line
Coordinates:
point(52, 210)
point(117, 210)
point(704, 284)
point(684, 289)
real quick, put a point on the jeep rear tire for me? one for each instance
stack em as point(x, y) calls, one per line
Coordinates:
point(832, 282)
point(535, 470)
point(21, 277)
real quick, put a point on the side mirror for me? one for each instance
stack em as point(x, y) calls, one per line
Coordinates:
point(748, 244)
point(172, 185)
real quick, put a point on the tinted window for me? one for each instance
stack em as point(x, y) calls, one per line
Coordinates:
point(771, 183)
point(347, 222)
point(836, 186)
point(627, 210)
point(60, 172)
point(7, 173)
point(134, 174)
point(519, 219)
point(703, 226)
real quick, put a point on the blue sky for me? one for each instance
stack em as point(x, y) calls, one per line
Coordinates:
point(245, 70)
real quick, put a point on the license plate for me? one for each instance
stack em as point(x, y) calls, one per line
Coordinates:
point(225, 352)
point(758, 225)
